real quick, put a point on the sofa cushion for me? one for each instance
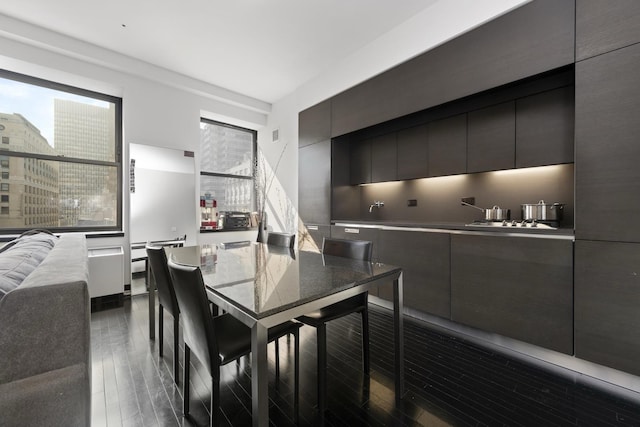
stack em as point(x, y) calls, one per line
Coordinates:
point(21, 257)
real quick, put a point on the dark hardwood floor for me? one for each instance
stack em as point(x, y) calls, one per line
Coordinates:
point(450, 382)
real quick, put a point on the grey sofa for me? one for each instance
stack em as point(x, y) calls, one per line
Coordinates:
point(45, 366)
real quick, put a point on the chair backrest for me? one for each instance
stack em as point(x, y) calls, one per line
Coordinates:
point(181, 244)
point(157, 258)
point(281, 239)
point(354, 249)
point(196, 318)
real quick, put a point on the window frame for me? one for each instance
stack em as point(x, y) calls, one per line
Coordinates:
point(251, 177)
point(117, 162)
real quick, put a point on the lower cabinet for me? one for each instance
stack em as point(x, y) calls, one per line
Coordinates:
point(310, 236)
point(519, 287)
point(424, 258)
point(358, 233)
point(607, 304)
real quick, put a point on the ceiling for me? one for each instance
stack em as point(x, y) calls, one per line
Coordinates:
point(264, 49)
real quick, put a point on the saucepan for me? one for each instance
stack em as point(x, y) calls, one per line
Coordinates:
point(542, 211)
point(492, 214)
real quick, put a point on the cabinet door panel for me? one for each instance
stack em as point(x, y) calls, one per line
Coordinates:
point(607, 148)
point(314, 183)
point(514, 286)
point(607, 296)
point(413, 152)
point(356, 233)
point(544, 128)
point(360, 162)
point(314, 124)
point(310, 237)
point(384, 152)
point(447, 150)
point(603, 26)
point(491, 138)
point(425, 262)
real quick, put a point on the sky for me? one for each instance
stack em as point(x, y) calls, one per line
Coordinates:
point(35, 103)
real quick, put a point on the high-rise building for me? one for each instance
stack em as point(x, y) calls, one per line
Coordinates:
point(29, 194)
point(86, 131)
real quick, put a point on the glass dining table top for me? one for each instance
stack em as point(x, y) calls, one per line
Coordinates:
point(264, 280)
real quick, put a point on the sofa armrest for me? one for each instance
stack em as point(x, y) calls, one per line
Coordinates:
point(45, 322)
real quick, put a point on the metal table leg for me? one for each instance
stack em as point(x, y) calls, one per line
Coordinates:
point(259, 377)
point(398, 332)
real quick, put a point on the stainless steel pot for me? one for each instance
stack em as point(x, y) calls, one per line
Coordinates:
point(542, 211)
point(493, 214)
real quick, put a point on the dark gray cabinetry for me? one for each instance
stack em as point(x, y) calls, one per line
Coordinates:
point(514, 286)
point(425, 261)
point(384, 151)
point(360, 162)
point(314, 183)
point(607, 148)
point(412, 152)
point(544, 128)
point(534, 38)
point(607, 297)
point(314, 124)
point(447, 149)
point(491, 138)
point(603, 26)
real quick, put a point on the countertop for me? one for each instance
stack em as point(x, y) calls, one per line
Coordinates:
point(459, 227)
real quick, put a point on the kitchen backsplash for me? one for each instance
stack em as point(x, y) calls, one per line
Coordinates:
point(438, 199)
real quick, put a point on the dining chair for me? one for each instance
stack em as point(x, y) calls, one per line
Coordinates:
point(284, 240)
point(218, 340)
point(157, 259)
point(354, 249)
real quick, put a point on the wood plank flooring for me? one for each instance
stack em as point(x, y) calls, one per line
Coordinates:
point(450, 382)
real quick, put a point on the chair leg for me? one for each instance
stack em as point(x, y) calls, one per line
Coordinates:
point(176, 349)
point(185, 385)
point(365, 341)
point(277, 359)
point(321, 332)
point(296, 396)
point(215, 400)
point(161, 327)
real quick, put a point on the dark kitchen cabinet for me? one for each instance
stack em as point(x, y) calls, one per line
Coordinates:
point(425, 261)
point(447, 149)
point(314, 124)
point(519, 287)
point(603, 26)
point(607, 148)
point(384, 152)
point(607, 296)
point(360, 162)
point(314, 183)
point(544, 128)
point(413, 152)
point(529, 40)
point(491, 138)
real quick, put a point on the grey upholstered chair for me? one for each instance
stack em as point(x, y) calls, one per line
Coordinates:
point(218, 340)
point(157, 259)
point(354, 249)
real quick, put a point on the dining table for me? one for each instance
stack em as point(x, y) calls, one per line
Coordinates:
point(263, 286)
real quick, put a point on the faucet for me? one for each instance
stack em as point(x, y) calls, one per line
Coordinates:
point(375, 204)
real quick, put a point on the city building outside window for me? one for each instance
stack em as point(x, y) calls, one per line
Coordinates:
point(227, 166)
point(61, 157)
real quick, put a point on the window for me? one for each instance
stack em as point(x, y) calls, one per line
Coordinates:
point(4, 210)
point(4, 187)
point(4, 198)
point(65, 151)
point(227, 165)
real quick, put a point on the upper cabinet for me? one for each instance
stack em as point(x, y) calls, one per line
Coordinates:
point(544, 128)
point(412, 157)
point(314, 124)
point(491, 138)
point(603, 26)
point(534, 38)
point(360, 162)
point(448, 146)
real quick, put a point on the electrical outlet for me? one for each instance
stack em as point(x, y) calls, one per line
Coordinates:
point(469, 200)
point(412, 202)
